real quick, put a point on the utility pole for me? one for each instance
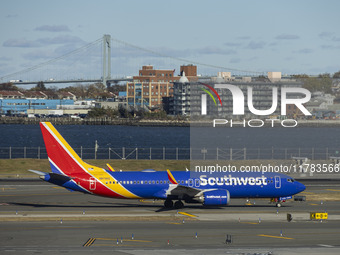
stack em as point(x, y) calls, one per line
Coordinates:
point(95, 149)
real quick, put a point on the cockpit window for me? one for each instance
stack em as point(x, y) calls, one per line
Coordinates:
point(291, 180)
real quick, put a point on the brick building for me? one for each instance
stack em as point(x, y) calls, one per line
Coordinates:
point(150, 87)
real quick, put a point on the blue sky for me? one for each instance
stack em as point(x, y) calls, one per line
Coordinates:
point(289, 36)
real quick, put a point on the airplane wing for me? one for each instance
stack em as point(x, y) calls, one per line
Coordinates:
point(182, 191)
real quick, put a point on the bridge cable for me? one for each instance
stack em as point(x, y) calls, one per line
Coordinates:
point(183, 59)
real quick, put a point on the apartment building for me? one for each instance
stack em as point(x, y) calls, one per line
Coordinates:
point(151, 86)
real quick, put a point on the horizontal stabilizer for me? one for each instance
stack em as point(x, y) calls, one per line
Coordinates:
point(37, 172)
point(52, 177)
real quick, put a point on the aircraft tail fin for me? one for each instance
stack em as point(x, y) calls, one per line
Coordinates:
point(63, 159)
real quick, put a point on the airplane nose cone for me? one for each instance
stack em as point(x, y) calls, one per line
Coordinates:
point(300, 187)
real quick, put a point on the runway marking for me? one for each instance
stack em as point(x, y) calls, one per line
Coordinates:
point(175, 223)
point(120, 245)
point(124, 240)
point(333, 189)
point(3, 188)
point(144, 201)
point(305, 192)
point(254, 223)
point(280, 237)
point(138, 241)
point(313, 204)
point(20, 195)
point(326, 245)
point(187, 214)
point(89, 242)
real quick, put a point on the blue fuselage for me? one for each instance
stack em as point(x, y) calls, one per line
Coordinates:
point(239, 185)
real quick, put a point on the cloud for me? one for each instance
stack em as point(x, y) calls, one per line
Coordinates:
point(325, 34)
point(235, 60)
point(329, 36)
point(243, 37)
point(5, 59)
point(9, 16)
point(330, 47)
point(53, 28)
point(232, 44)
point(305, 51)
point(209, 50)
point(39, 55)
point(21, 43)
point(63, 39)
point(24, 43)
point(287, 37)
point(255, 45)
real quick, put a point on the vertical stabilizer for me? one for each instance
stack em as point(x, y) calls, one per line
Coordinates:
point(63, 159)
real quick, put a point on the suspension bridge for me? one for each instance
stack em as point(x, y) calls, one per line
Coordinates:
point(106, 60)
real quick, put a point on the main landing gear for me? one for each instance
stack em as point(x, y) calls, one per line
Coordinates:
point(277, 201)
point(169, 204)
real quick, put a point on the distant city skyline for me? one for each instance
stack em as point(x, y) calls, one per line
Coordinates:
point(292, 37)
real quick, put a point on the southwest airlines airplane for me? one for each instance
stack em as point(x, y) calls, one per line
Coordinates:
point(72, 173)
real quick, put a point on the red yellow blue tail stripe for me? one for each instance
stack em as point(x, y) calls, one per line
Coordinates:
point(64, 160)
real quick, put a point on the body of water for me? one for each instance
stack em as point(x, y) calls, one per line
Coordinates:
point(182, 137)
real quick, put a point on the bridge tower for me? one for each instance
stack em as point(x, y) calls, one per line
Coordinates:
point(106, 59)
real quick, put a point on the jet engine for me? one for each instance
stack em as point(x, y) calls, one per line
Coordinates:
point(214, 197)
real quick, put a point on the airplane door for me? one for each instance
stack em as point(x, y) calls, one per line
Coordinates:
point(191, 182)
point(277, 182)
point(197, 183)
point(92, 183)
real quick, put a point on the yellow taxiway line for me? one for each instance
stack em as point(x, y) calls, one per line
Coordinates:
point(281, 237)
point(187, 214)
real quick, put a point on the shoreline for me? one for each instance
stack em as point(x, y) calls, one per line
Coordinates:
point(156, 123)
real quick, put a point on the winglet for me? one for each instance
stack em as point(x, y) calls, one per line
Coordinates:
point(171, 177)
point(110, 167)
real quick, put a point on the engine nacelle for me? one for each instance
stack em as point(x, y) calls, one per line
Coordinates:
point(216, 197)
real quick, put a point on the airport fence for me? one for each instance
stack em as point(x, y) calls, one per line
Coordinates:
point(179, 153)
